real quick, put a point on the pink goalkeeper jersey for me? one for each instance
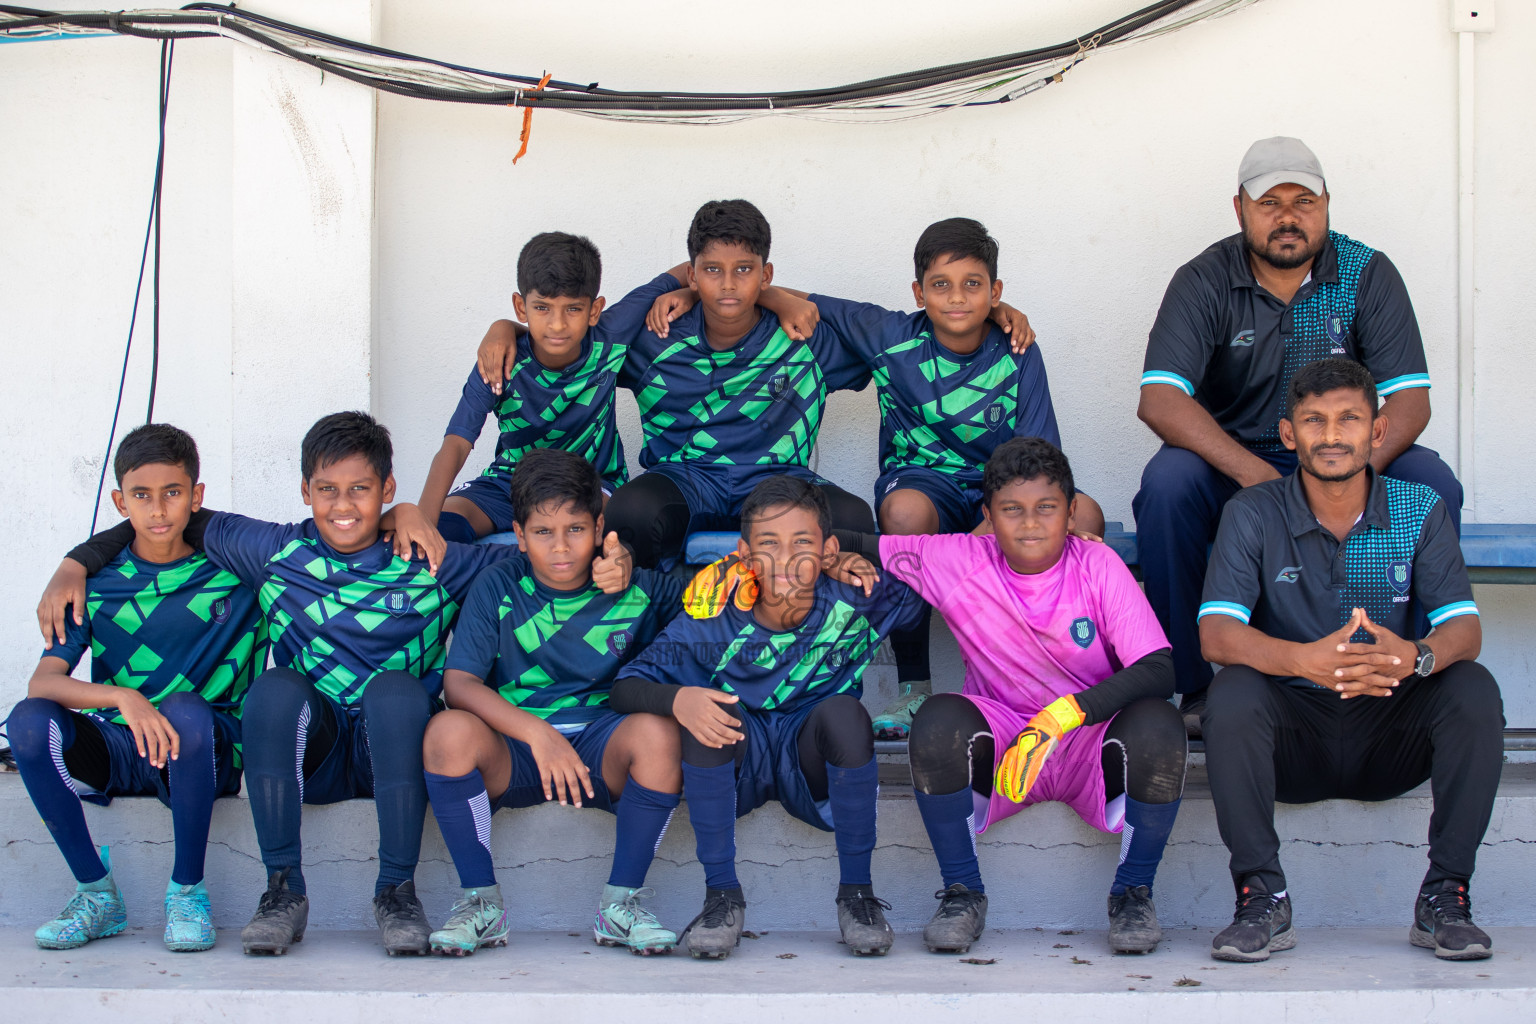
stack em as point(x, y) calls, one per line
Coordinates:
point(1027, 640)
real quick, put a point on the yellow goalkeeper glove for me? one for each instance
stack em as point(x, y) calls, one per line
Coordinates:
point(1020, 767)
point(717, 583)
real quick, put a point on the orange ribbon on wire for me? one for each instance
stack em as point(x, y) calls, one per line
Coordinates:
point(522, 148)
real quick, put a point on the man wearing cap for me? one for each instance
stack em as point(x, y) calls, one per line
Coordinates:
point(1235, 325)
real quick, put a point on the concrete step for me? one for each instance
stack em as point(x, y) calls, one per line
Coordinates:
point(1359, 975)
point(1349, 864)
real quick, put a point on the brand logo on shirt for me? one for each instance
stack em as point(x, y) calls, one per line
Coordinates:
point(1335, 328)
point(602, 380)
point(778, 385)
point(1083, 632)
point(837, 657)
point(1399, 574)
point(1244, 339)
point(994, 415)
point(394, 602)
point(220, 610)
point(619, 642)
point(1290, 574)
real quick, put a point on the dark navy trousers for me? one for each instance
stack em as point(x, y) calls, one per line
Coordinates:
point(1177, 511)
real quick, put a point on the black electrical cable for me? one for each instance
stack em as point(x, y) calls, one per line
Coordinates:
point(568, 95)
point(151, 231)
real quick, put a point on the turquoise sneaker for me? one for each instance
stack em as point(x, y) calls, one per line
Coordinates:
point(95, 911)
point(895, 722)
point(188, 918)
point(476, 920)
point(622, 921)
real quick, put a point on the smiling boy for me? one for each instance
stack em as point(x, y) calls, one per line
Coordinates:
point(174, 643)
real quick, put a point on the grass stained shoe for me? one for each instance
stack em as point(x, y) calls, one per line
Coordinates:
point(895, 722)
point(1261, 926)
point(959, 921)
point(188, 918)
point(478, 918)
point(717, 930)
point(95, 911)
point(402, 921)
point(861, 919)
point(1442, 921)
point(280, 919)
point(622, 921)
point(1133, 926)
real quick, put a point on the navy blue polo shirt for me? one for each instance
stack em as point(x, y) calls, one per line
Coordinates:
point(1276, 568)
point(1232, 346)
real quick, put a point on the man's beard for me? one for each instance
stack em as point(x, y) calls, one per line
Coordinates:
point(1272, 254)
point(1309, 465)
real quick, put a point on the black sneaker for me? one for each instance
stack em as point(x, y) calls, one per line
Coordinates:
point(1261, 926)
point(1442, 921)
point(1191, 707)
point(1133, 926)
point(861, 919)
point(959, 921)
point(717, 930)
point(280, 920)
point(402, 921)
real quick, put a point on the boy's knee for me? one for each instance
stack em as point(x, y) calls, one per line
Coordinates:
point(277, 691)
point(907, 511)
point(396, 693)
point(448, 747)
point(844, 733)
point(27, 726)
point(187, 712)
point(653, 738)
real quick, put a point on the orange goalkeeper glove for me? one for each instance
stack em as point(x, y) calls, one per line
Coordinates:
point(1020, 767)
point(719, 582)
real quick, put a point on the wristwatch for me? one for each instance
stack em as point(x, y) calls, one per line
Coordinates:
point(1424, 664)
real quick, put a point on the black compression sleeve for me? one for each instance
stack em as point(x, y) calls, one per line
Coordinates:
point(1151, 676)
point(101, 548)
point(860, 543)
point(631, 694)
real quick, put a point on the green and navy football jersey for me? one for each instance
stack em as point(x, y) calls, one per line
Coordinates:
point(556, 653)
point(167, 628)
point(825, 655)
point(756, 404)
point(940, 410)
point(341, 619)
point(570, 408)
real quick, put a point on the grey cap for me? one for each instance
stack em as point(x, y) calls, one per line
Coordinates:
point(1277, 161)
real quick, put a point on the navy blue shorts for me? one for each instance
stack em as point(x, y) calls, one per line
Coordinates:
point(959, 507)
point(347, 771)
point(132, 775)
point(714, 496)
point(527, 790)
point(770, 768)
point(491, 495)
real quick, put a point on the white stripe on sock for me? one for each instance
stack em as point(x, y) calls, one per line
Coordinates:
point(56, 752)
point(1125, 841)
point(663, 833)
point(305, 716)
point(480, 810)
point(970, 827)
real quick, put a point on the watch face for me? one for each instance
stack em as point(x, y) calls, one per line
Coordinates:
point(1425, 663)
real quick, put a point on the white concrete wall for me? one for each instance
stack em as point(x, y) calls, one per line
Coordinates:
point(1098, 189)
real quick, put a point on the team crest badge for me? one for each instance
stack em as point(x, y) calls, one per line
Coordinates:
point(619, 642)
point(1335, 328)
point(1083, 632)
point(994, 415)
point(837, 657)
point(778, 386)
point(1399, 574)
point(220, 610)
point(394, 602)
point(1243, 339)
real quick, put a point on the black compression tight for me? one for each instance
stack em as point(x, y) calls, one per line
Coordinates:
point(838, 733)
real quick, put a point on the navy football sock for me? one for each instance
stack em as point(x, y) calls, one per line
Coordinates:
point(643, 815)
point(949, 819)
point(463, 813)
point(1147, 827)
point(40, 731)
point(395, 713)
point(852, 793)
point(711, 794)
point(192, 779)
point(453, 526)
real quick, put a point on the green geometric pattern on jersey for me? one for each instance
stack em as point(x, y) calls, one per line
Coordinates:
point(739, 394)
point(535, 689)
point(154, 616)
point(964, 410)
point(364, 603)
point(845, 641)
point(572, 409)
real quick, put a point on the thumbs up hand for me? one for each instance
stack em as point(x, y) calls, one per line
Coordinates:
point(612, 569)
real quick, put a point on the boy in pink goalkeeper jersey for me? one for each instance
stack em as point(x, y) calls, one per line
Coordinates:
point(1067, 676)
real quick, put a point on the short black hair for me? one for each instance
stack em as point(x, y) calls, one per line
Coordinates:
point(729, 220)
point(342, 435)
point(556, 264)
point(1327, 375)
point(154, 444)
point(1026, 458)
point(957, 238)
point(554, 476)
point(785, 491)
